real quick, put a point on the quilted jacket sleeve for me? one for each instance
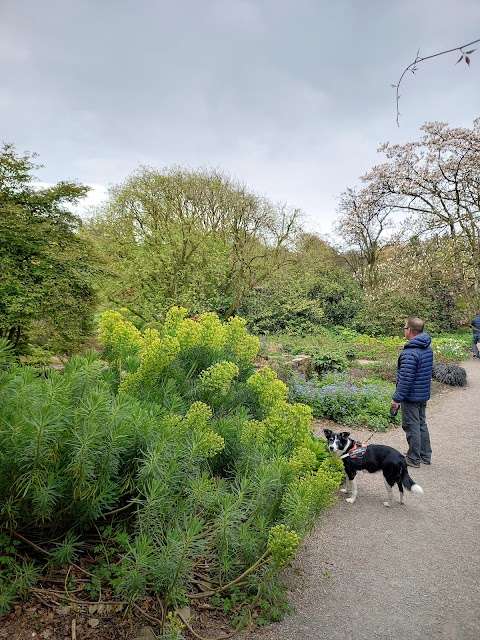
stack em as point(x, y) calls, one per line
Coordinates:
point(407, 371)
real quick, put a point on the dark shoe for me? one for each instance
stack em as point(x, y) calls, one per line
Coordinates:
point(411, 463)
point(426, 460)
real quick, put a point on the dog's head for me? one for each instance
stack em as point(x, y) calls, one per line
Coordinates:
point(337, 442)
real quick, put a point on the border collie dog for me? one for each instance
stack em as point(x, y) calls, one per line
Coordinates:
point(375, 457)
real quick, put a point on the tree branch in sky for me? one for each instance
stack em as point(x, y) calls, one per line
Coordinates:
point(413, 67)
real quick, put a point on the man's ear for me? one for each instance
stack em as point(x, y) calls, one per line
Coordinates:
point(328, 433)
point(345, 434)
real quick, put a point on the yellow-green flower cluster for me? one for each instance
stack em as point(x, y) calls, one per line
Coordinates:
point(283, 544)
point(197, 416)
point(173, 319)
point(189, 334)
point(254, 433)
point(307, 496)
point(288, 424)
point(285, 426)
point(118, 334)
point(269, 389)
point(212, 330)
point(219, 377)
point(157, 353)
point(243, 346)
point(302, 461)
point(333, 467)
point(196, 420)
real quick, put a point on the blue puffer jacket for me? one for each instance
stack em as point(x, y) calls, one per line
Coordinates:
point(414, 375)
point(476, 326)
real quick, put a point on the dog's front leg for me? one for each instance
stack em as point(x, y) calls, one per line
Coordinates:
point(353, 491)
point(348, 488)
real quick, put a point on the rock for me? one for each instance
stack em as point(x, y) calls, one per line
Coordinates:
point(184, 613)
point(301, 364)
point(146, 633)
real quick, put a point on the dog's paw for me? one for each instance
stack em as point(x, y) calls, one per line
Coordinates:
point(344, 491)
point(350, 500)
point(387, 504)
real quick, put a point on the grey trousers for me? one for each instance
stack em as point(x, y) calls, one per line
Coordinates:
point(476, 341)
point(416, 430)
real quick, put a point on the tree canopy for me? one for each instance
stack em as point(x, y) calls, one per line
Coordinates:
point(195, 238)
point(46, 283)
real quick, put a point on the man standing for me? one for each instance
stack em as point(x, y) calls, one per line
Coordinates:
point(476, 334)
point(414, 377)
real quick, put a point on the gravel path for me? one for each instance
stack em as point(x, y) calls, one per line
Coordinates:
point(412, 571)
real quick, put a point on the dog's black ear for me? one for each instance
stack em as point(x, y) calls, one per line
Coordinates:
point(345, 434)
point(328, 433)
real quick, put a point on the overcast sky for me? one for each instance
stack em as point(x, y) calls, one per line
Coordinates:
point(292, 97)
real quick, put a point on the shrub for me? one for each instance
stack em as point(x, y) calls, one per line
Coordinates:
point(450, 374)
point(179, 482)
point(328, 360)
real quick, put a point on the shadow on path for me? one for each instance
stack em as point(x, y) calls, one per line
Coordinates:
point(412, 571)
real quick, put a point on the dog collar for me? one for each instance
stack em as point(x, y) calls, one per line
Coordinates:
point(356, 451)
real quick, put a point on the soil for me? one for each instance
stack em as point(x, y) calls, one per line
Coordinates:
point(366, 571)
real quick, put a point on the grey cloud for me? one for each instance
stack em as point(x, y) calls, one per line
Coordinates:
point(291, 96)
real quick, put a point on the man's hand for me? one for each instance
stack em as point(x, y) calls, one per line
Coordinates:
point(394, 408)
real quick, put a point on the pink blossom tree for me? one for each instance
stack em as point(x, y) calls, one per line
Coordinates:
point(364, 224)
point(436, 181)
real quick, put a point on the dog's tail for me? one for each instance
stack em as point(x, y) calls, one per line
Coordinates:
point(409, 484)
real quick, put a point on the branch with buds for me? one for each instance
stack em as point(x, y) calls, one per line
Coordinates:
point(413, 66)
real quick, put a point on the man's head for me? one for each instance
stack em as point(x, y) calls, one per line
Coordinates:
point(413, 326)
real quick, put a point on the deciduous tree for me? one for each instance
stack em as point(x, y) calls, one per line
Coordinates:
point(364, 223)
point(437, 181)
point(195, 238)
point(46, 268)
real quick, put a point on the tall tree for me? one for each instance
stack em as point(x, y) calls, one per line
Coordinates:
point(437, 181)
point(46, 278)
point(363, 224)
point(195, 238)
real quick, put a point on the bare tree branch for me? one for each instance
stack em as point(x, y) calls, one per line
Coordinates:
point(413, 67)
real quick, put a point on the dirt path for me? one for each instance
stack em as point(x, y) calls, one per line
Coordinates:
point(412, 571)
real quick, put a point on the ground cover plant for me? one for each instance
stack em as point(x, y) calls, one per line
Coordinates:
point(164, 470)
point(354, 374)
point(364, 403)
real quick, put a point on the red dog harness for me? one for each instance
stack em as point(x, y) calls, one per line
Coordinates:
point(357, 451)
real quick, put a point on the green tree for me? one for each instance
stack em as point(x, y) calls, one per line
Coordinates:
point(47, 268)
point(194, 238)
point(311, 290)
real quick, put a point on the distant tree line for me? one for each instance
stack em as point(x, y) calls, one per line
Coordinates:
point(408, 243)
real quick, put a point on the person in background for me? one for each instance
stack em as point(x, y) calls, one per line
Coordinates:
point(414, 378)
point(475, 323)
